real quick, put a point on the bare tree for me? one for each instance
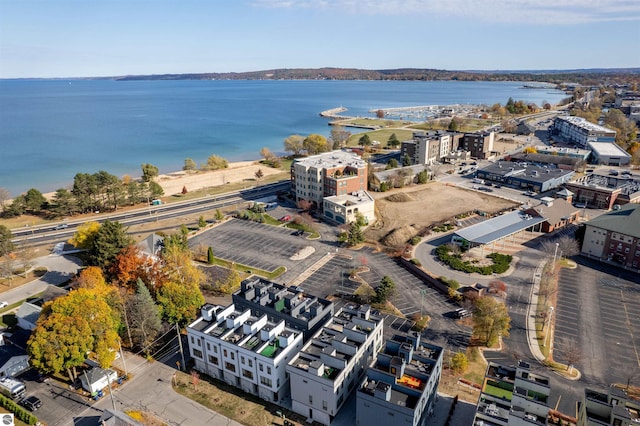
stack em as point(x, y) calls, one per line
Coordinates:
point(571, 351)
point(568, 246)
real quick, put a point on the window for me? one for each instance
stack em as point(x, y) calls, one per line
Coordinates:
point(197, 353)
point(248, 374)
point(268, 370)
point(208, 346)
point(230, 367)
point(233, 356)
point(261, 367)
point(215, 349)
point(224, 352)
point(310, 399)
point(192, 340)
point(250, 362)
point(324, 405)
point(242, 359)
point(213, 359)
point(265, 381)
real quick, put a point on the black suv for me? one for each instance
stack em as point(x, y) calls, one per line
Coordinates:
point(32, 403)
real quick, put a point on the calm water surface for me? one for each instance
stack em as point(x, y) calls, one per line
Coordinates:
point(52, 129)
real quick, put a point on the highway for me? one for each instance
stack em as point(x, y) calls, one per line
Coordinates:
point(45, 234)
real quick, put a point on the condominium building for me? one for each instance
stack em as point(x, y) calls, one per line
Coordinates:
point(479, 144)
point(614, 408)
point(580, 131)
point(246, 351)
point(512, 396)
point(401, 385)
point(299, 311)
point(327, 174)
point(429, 147)
point(346, 208)
point(333, 363)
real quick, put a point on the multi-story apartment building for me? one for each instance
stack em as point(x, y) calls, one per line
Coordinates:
point(333, 363)
point(512, 396)
point(401, 385)
point(580, 131)
point(297, 309)
point(246, 351)
point(479, 144)
point(601, 191)
point(615, 237)
point(428, 147)
point(615, 408)
point(328, 174)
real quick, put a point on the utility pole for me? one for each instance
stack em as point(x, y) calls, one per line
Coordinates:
point(555, 253)
point(180, 344)
point(422, 293)
point(546, 339)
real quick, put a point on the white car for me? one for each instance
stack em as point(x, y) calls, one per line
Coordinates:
point(4, 304)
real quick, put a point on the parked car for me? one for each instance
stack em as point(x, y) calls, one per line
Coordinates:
point(4, 304)
point(298, 232)
point(285, 218)
point(61, 226)
point(485, 189)
point(498, 186)
point(31, 403)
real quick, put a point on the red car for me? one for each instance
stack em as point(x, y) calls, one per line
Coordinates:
point(286, 218)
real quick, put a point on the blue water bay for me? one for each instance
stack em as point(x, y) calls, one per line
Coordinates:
point(52, 129)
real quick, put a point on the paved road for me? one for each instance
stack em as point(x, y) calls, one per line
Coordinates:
point(60, 269)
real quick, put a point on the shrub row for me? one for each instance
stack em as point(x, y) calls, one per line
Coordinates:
point(21, 413)
point(500, 264)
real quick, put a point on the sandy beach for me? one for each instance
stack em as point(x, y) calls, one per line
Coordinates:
point(172, 183)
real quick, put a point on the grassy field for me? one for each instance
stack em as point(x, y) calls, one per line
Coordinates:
point(381, 135)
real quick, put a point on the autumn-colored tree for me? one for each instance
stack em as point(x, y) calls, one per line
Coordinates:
point(490, 320)
point(129, 266)
point(530, 150)
point(259, 175)
point(190, 166)
point(215, 162)
point(89, 278)
point(459, 362)
point(149, 172)
point(59, 343)
point(179, 296)
point(85, 235)
point(315, 144)
point(230, 283)
point(184, 190)
point(294, 144)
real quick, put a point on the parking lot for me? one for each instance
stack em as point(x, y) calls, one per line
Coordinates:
point(257, 245)
point(597, 316)
point(268, 247)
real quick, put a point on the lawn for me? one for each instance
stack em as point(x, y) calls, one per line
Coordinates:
point(381, 135)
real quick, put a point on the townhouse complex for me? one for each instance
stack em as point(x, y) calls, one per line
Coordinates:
point(401, 385)
point(435, 146)
point(580, 131)
point(614, 408)
point(332, 363)
point(512, 396)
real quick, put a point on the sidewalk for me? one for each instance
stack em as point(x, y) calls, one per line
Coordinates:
point(531, 313)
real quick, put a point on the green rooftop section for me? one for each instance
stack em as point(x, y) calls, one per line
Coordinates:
point(270, 349)
point(279, 305)
point(499, 390)
point(330, 373)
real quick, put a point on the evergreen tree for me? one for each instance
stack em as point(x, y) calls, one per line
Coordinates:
point(144, 317)
point(109, 240)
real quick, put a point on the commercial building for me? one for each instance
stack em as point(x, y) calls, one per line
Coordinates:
point(246, 351)
point(557, 213)
point(512, 396)
point(328, 174)
point(297, 309)
point(614, 237)
point(401, 386)
point(608, 154)
point(582, 154)
point(333, 363)
point(549, 160)
point(525, 176)
point(603, 191)
point(614, 408)
point(580, 131)
point(345, 208)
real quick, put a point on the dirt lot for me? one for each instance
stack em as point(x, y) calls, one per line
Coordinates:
point(403, 213)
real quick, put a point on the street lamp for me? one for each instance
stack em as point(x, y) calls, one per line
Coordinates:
point(422, 293)
point(555, 253)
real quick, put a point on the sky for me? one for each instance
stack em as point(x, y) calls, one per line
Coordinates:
point(88, 38)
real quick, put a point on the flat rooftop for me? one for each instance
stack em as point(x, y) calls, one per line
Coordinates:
point(607, 148)
point(498, 227)
point(584, 124)
point(332, 160)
